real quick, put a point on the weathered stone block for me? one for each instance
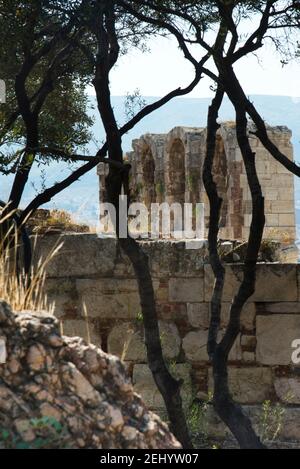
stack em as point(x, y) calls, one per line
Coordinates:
point(272, 219)
point(62, 296)
point(195, 347)
point(198, 315)
point(81, 255)
point(145, 386)
point(81, 328)
point(186, 290)
point(275, 335)
point(286, 219)
point(248, 385)
point(291, 424)
point(108, 298)
point(248, 341)
point(288, 389)
point(248, 357)
point(247, 316)
point(275, 282)
point(283, 206)
point(167, 257)
point(127, 341)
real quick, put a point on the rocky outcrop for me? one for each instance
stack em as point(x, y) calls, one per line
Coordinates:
point(61, 392)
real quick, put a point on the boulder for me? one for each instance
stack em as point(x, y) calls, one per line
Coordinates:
point(60, 392)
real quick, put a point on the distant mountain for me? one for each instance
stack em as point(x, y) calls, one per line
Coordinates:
point(82, 197)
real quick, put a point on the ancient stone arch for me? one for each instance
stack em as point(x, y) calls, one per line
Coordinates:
point(148, 174)
point(177, 174)
point(221, 178)
point(169, 169)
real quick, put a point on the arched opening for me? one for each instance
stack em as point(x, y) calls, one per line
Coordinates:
point(177, 172)
point(148, 170)
point(220, 173)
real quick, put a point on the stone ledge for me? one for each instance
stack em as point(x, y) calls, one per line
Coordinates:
point(275, 335)
point(275, 282)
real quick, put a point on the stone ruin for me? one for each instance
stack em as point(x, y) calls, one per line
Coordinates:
point(168, 168)
point(61, 392)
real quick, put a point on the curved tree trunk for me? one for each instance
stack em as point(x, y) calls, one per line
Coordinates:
point(214, 217)
point(116, 181)
point(228, 410)
point(167, 385)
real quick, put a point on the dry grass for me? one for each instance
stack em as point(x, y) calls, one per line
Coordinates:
point(23, 292)
point(45, 221)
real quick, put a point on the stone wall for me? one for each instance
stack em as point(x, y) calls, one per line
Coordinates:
point(96, 298)
point(168, 167)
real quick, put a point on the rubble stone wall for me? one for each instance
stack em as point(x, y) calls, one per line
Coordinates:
point(168, 168)
point(96, 297)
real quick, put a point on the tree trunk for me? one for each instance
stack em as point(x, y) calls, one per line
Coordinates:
point(117, 180)
point(229, 411)
point(167, 385)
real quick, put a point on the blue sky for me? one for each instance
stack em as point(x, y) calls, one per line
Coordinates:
point(164, 68)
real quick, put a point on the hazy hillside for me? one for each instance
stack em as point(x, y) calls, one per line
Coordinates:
point(82, 197)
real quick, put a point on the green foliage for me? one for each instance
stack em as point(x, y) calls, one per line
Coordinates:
point(271, 421)
point(50, 434)
point(29, 33)
point(139, 317)
point(197, 419)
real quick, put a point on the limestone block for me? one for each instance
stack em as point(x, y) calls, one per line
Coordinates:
point(198, 315)
point(263, 167)
point(275, 282)
point(186, 290)
point(286, 219)
point(80, 255)
point(195, 347)
point(146, 387)
point(272, 219)
point(287, 194)
point(62, 296)
point(127, 342)
point(108, 298)
point(282, 180)
point(248, 357)
point(291, 424)
point(248, 341)
point(275, 194)
point(81, 328)
point(247, 316)
point(248, 385)
point(275, 335)
point(288, 389)
point(167, 257)
point(283, 207)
